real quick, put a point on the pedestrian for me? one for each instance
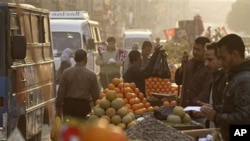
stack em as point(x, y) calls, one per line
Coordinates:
point(67, 54)
point(213, 63)
point(78, 89)
point(235, 109)
point(194, 78)
point(146, 50)
point(127, 63)
point(110, 66)
point(136, 73)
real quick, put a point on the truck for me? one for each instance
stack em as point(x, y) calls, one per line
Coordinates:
point(71, 26)
point(27, 71)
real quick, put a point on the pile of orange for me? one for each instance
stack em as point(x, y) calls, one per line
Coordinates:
point(171, 103)
point(133, 98)
point(159, 85)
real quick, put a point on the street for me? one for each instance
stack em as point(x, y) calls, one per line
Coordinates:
point(46, 133)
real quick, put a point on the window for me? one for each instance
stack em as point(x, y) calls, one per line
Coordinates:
point(46, 29)
point(63, 40)
point(26, 25)
point(35, 29)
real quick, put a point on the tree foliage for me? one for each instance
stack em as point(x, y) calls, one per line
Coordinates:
point(238, 18)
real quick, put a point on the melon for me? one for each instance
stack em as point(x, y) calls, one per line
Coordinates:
point(186, 118)
point(98, 111)
point(116, 119)
point(104, 103)
point(123, 111)
point(127, 119)
point(179, 111)
point(111, 95)
point(131, 124)
point(110, 112)
point(121, 125)
point(117, 103)
point(106, 117)
point(173, 118)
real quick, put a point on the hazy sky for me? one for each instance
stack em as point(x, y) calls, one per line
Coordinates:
point(212, 11)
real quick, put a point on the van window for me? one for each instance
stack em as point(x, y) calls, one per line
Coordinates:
point(130, 41)
point(35, 30)
point(63, 40)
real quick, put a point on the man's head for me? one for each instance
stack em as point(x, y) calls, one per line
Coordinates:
point(81, 56)
point(135, 57)
point(211, 57)
point(231, 51)
point(146, 48)
point(111, 43)
point(157, 40)
point(199, 48)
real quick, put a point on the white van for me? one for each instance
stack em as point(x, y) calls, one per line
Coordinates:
point(69, 26)
point(137, 36)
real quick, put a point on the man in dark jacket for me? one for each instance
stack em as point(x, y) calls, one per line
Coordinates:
point(78, 89)
point(236, 106)
point(214, 64)
point(137, 74)
point(196, 79)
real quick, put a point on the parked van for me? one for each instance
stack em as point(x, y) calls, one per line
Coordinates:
point(74, 26)
point(138, 36)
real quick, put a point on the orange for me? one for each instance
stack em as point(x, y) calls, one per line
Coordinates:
point(132, 85)
point(166, 103)
point(102, 95)
point(116, 81)
point(111, 86)
point(173, 103)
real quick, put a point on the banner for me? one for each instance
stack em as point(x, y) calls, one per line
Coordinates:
point(121, 55)
point(169, 33)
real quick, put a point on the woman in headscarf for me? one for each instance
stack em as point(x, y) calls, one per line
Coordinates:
point(65, 63)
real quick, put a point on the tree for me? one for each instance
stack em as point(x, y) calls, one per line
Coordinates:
point(238, 18)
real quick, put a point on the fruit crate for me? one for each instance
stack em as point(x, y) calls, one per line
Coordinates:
point(164, 97)
point(201, 133)
point(185, 126)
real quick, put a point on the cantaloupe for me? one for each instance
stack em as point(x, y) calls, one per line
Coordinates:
point(117, 103)
point(98, 111)
point(123, 111)
point(131, 124)
point(111, 95)
point(116, 119)
point(127, 119)
point(110, 112)
point(179, 111)
point(173, 118)
point(104, 104)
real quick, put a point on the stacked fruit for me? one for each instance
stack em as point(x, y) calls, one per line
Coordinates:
point(159, 85)
point(113, 109)
point(178, 116)
point(134, 100)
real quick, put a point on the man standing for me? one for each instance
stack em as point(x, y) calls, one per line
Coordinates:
point(110, 65)
point(194, 76)
point(213, 63)
point(236, 106)
point(146, 50)
point(78, 89)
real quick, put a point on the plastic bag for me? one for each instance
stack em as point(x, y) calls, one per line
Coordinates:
point(161, 68)
point(56, 128)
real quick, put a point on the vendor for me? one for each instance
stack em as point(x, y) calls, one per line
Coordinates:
point(137, 74)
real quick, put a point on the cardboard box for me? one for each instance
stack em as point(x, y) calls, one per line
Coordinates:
point(201, 133)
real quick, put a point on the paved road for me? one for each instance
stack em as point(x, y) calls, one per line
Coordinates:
point(46, 133)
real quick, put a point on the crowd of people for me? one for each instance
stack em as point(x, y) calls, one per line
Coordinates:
point(217, 78)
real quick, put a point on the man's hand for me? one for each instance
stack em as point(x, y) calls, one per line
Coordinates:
point(184, 58)
point(208, 111)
